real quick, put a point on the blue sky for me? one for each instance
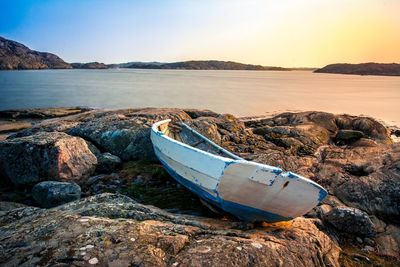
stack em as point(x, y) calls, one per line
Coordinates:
point(280, 33)
point(93, 30)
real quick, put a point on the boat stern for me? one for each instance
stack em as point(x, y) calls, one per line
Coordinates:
point(268, 192)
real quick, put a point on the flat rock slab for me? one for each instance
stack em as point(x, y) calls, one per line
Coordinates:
point(41, 113)
point(13, 126)
point(151, 237)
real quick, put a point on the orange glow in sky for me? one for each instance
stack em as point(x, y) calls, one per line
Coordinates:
point(310, 33)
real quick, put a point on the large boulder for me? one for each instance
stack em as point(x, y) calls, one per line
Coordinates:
point(45, 156)
point(125, 133)
point(50, 194)
point(85, 232)
point(351, 220)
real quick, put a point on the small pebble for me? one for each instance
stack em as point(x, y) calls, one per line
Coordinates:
point(83, 253)
point(83, 220)
point(93, 261)
point(133, 239)
point(203, 249)
point(89, 246)
point(359, 240)
point(239, 248)
point(175, 264)
point(369, 241)
point(256, 245)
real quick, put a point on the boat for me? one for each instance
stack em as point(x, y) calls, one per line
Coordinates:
point(250, 191)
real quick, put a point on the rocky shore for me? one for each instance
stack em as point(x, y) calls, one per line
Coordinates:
point(82, 187)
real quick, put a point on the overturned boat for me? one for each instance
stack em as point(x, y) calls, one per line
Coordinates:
point(248, 190)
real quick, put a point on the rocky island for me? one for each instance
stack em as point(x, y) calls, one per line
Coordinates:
point(362, 69)
point(83, 187)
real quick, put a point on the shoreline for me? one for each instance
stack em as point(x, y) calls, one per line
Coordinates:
point(14, 120)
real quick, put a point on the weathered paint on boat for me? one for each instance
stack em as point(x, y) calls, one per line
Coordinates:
point(250, 191)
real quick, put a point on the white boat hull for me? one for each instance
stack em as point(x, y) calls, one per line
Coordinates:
point(248, 190)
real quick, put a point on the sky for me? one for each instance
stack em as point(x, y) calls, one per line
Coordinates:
point(287, 33)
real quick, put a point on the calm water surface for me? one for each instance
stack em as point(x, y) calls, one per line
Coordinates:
point(243, 93)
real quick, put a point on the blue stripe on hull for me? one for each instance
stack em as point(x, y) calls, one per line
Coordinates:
point(240, 211)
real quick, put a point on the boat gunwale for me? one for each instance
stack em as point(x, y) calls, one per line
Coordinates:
point(155, 129)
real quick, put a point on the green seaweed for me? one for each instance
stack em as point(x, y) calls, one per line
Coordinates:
point(158, 188)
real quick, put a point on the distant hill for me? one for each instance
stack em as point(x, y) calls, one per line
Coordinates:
point(362, 69)
point(197, 65)
point(14, 55)
point(90, 65)
point(136, 63)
